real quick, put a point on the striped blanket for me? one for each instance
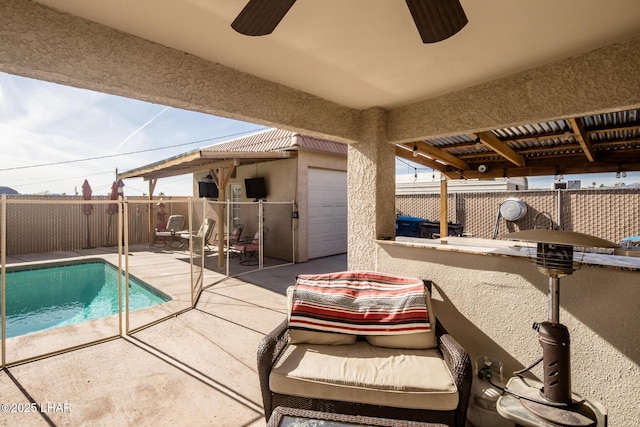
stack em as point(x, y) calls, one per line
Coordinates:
point(359, 303)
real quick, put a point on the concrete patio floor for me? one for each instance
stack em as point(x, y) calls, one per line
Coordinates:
point(197, 368)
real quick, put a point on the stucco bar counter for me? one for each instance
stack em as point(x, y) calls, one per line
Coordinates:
point(506, 248)
point(488, 293)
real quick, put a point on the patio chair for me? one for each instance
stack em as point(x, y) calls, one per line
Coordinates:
point(169, 236)
point(249, 250)
point(416, 376)
point(205, 230)
point(236, 237)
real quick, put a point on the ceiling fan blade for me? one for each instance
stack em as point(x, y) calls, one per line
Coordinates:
point(261, 17)
point(437, 20)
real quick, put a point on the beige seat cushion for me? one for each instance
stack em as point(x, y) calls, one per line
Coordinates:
point(365, 373)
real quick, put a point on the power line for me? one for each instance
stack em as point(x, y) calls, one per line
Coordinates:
point(62, 178)
point(127, 154)
point(409, 165)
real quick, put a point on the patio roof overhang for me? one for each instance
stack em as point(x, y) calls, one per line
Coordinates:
point(201, 160)
point(220, 164)
point(452, 102)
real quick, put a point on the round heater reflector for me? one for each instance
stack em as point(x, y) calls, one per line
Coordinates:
point(513, 209)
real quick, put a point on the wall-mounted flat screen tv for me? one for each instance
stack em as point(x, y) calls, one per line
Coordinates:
point(256, 188)
point(207, 189)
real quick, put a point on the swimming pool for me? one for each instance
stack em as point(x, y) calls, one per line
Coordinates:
point(52, 295)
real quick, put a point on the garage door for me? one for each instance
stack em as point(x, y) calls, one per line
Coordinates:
point(327, 212)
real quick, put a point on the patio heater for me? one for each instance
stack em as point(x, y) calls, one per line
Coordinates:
point(554, 257)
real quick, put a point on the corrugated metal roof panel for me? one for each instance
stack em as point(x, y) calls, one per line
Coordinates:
point(532, 130)
point(612, 119)
point(450, 140)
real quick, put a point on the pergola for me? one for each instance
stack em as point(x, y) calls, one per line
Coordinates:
point(220, 165)
point(575, 145)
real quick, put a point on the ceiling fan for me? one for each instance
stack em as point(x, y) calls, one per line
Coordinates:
point(435, 20)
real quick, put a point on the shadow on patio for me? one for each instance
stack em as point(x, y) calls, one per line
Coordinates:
point(196, 368)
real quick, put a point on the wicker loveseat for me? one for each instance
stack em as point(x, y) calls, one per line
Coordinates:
point(358, 377)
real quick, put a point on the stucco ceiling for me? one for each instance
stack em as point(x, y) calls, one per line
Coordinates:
point(354, 55)
point(364, 53)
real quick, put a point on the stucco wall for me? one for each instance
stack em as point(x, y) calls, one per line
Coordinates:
point(286, 182)
point(489, 304)
point(39, 42)
point(371, 183)
point(281, 187)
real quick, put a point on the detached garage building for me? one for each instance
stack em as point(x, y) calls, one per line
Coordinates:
point(309, 171)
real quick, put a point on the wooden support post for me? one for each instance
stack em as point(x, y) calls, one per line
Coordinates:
point(444, 226)
point(152, 234)
point(221, 176)
point(221, 219)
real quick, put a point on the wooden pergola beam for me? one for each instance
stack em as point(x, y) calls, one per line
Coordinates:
point(490, 140)
point(406, 153)
point(159, 167)
point(437, 154)
point(151, 230)
point(549, 168)
point(444, 209)
point(577, 125)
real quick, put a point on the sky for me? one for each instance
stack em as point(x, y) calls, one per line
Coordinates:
point(53, 137)
point(43, 123)
point(596, 180)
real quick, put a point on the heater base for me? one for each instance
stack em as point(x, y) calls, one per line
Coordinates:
point(514, 409)
point(576, 414)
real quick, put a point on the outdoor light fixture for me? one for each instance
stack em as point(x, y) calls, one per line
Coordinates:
point(554, 257)
point(415, 150)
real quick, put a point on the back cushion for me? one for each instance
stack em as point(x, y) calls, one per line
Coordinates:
point(301, 336)
point(323, 330)
point(419, 340)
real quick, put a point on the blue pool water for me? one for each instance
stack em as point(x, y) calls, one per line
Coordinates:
point(47, 297)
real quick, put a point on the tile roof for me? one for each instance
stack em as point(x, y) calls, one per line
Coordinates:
point(277, 140)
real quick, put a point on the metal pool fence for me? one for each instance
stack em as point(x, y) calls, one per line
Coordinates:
point(122, 232)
